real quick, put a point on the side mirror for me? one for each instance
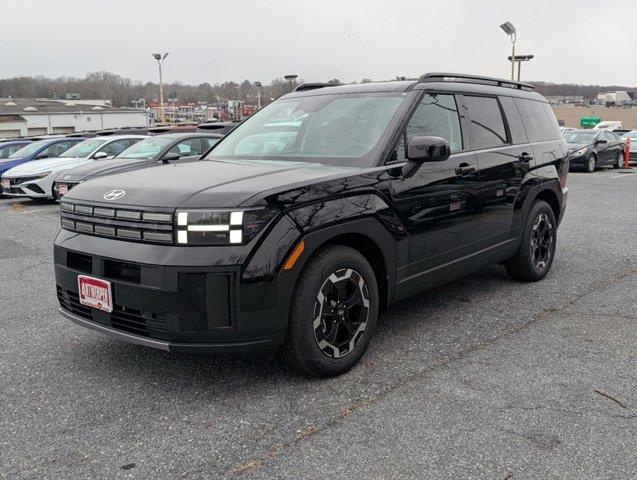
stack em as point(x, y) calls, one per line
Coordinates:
point(425, 149)
point(41, 155)
point(100, 155)
point(170, 157)
point(601, 140)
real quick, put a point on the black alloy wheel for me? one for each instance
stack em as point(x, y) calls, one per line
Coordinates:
point(333, 312)
point(541, 244)
point(341, 310)
point(536, 252)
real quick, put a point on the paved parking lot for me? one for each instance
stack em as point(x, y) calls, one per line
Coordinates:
point(481, 378)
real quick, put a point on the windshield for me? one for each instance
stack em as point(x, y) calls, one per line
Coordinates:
point(632, 134)
point(148, 148)
point(84, 149)
point(580, 137)
point(335, 129)
point(29, 149)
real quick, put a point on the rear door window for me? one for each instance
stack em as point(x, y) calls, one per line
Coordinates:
point(539, 120)
point(487, 124)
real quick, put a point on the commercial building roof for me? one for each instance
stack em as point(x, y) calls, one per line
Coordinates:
point(21, 106)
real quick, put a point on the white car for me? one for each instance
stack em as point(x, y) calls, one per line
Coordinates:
point(609, 125)
point(35, 179)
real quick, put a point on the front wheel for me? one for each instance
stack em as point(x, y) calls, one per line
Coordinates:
point(535, 254)
point(591, 164)
point(333, 313)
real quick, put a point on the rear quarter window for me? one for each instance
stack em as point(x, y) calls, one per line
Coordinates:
point(539, 120)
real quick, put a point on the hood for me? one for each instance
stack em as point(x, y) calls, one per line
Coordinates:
point(577, 146)
point(35, 167)
point(203, 184)
point(98, 169)
point(8, 163)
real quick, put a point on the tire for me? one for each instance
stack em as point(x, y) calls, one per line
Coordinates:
point(536, 252)
point(312, 327)
point(620, 161)
point(591, 164)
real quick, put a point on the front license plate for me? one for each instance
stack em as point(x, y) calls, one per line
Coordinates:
point(5, 184)
point(63, 189)
point(95, 292)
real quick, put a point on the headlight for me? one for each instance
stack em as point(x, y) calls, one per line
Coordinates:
point(581, 151)
point(220, 227)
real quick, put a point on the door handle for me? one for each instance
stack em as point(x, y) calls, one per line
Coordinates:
point(525, 157)
point(465, 169)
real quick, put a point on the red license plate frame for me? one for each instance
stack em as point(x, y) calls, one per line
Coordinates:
point(95, 293)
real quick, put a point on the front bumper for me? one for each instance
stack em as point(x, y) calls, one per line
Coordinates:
point(28, 186)
point(579, 160)
point(169, 297)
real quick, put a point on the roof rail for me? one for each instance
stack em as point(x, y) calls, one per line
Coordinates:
point(463, 78)
point(311, 86)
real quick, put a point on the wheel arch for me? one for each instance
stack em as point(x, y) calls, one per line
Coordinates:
point(368, 236)
point(549, 191)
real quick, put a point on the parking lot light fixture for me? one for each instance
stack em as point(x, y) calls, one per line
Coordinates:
point(509, 29)
point(520, 59)
point(290, 78)
point(160, 60)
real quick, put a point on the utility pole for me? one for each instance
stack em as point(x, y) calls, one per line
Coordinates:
point(160, 60)
point(258, 85)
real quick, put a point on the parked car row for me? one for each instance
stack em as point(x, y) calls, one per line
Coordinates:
point(48, 168)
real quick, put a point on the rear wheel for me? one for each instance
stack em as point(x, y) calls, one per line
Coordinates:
point(333, 313)
point(535, 254)
point(591, 164)
point(619, 163)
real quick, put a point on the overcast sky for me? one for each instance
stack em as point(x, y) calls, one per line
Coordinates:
point(583, 41)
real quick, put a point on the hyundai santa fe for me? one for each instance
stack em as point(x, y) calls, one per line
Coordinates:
point(314, 215)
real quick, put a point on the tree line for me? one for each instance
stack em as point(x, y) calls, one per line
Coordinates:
point(123, 91)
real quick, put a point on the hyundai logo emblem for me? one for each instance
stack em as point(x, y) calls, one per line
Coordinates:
point(114, 195)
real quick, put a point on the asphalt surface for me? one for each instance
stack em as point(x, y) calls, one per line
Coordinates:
point(481, 378)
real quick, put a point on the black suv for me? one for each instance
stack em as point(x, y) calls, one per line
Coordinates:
point(316, 213)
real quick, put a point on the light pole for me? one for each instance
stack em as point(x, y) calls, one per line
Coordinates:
point(160, 60)
point(290, 78)
point(509, 29)
point(520, 59)
point(258, 85)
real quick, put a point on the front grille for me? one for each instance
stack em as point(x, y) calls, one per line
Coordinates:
point(121, 318)
point(124, 223)
point(71, 301)
point(133, 321)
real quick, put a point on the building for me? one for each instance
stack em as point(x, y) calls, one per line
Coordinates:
point(619, 97)
point(21, 117)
